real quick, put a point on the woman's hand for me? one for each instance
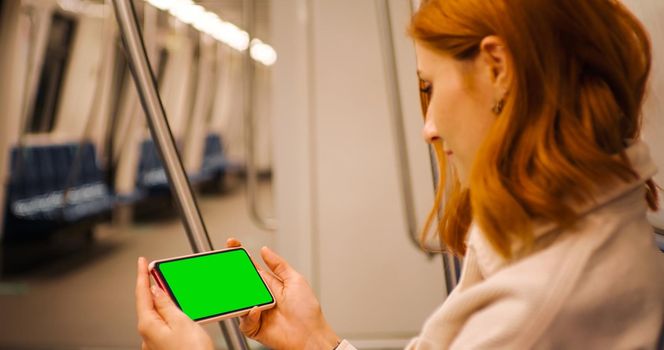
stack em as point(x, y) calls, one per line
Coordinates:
point(163, 325)
point(296, 322)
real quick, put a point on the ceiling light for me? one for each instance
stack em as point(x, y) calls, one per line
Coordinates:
point(262, 52)
point(228, 33)
point(162, 4)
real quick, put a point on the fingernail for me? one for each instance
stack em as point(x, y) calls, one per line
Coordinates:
point(270, 251)
point(255, 312)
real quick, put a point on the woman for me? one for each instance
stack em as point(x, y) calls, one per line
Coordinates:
point(536, 105)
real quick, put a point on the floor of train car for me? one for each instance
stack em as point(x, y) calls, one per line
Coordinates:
point(86, 300)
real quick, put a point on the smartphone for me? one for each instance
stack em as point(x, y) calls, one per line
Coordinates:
point(212, 286)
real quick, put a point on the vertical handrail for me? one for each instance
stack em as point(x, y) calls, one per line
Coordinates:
point(268, 224)
point(452, 270)
point(451, 265)
point(146, 86)
point(396, 112)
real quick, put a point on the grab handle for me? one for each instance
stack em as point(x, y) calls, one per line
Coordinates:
point(268, 224)
point(451, 265)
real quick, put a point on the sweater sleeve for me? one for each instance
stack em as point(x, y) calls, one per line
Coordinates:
point(498, 325)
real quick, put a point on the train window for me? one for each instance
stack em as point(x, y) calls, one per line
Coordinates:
point(58, 49)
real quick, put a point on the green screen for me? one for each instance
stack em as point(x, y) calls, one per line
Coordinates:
point(210, 285)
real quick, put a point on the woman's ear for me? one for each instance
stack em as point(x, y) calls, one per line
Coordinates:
point(495, 55)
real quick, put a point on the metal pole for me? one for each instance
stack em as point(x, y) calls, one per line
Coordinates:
point(161, 133)
point(452, 270)
point(250, 126)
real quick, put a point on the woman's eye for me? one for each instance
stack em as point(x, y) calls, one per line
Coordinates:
point(425, 96)
point(425, 87)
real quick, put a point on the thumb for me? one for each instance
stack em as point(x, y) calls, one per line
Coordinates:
point(277, 264)
point(165, 306)
point(250, 324)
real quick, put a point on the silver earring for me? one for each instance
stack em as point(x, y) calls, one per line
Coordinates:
point(498, 107)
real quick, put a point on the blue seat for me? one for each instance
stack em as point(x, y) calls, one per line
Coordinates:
point(45, 192)
point(151, 174)
point(151, 177)
point(214, 162)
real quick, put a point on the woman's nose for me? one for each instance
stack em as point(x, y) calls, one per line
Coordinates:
point(429, 131)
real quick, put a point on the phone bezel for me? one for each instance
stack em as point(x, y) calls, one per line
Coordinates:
point(161, 282)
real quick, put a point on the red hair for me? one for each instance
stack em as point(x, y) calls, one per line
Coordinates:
point(580, 69)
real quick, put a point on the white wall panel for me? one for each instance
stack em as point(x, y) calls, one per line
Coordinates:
point(373, 281)
point(339, 203)
point(178, 80)
point(292, 103)
point(197, 128)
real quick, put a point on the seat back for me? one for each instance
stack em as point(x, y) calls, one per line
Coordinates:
point(40, 175)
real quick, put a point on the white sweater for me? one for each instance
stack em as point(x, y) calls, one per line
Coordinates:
point(599, 285)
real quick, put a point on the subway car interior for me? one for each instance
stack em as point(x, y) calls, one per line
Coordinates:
point(135, 127)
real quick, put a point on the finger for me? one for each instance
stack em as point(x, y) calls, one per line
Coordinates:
point(144, 305)
point(144, 346)
point(276, 286)
point(166, 307)
point(278, 265)
point(250, 324)
point(233, 243)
